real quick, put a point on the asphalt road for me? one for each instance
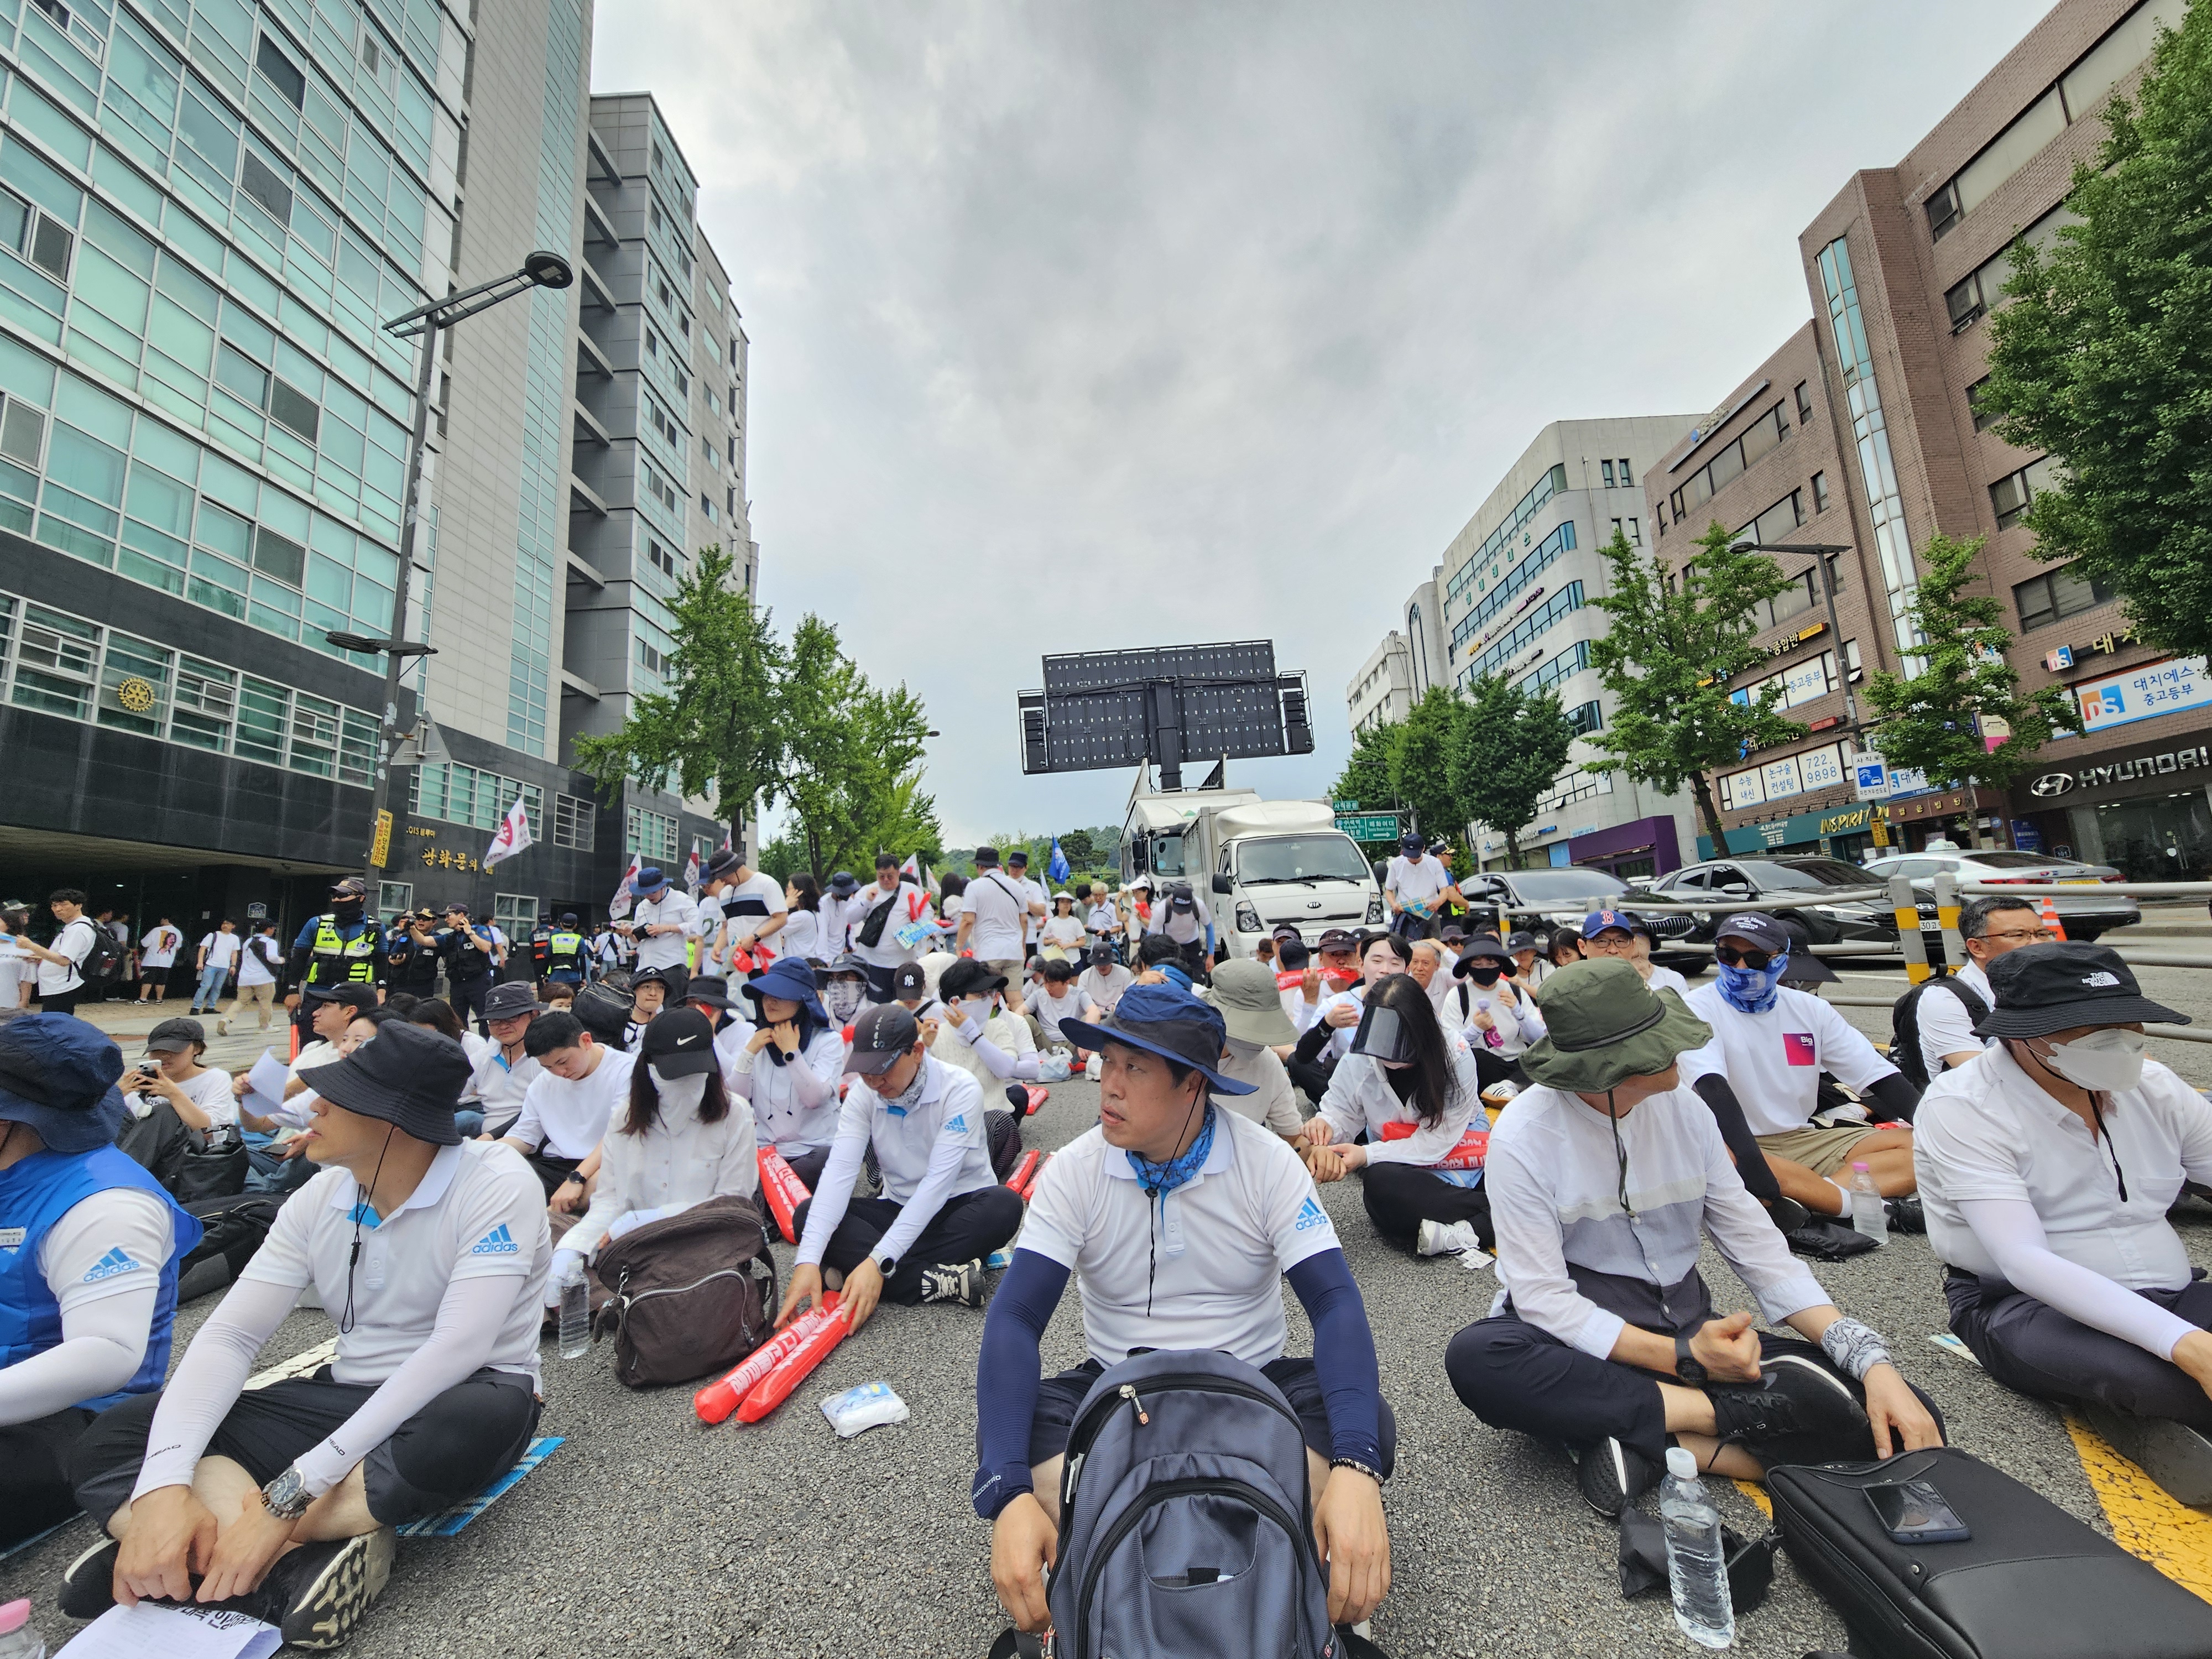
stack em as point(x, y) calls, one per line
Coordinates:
point(648, 1534)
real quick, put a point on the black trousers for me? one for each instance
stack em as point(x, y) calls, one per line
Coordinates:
point(1400, 1197)
point(467, 997)
point(61, 1002)
point(2029, 1346)
point(1513, 1375)
point(808, 1166)
point(1310, 1075)
point(34, 1484)
point(1490, 1068)
point(449, 1450)
point(967, 1228)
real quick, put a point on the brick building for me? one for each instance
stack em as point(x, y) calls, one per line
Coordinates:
point(1902, 269)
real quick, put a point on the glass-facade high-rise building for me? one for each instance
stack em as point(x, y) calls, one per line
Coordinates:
point(207, 209)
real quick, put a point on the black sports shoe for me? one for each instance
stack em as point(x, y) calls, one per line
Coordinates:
point(960, 1282)
point(1613, 1476)
point(1906, 1215)
point(1827, 1240)
point(1798, 1411)
point(1788, 1214)
point(317, 1594)
point(88, 1582)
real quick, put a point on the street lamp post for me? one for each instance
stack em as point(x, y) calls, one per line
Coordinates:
point(1821, 551)
point(540, 270)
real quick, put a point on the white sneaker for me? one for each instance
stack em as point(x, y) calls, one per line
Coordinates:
point(1447, 1238)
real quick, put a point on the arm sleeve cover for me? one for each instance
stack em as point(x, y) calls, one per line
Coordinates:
point(1895, 1095)
point(206, 1383)
point(1343, 1356)
point(1006, 1378)
point(1313, 1041)
point(2011, 1231)
point(1736, 1129)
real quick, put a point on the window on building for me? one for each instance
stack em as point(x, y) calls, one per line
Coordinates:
point(1804, 403)
point(1635, 533)
point(394, 898)
point(1760, 440)
point(574, 822)
point(651, 657)
point(1625, 481)
point(1605, 470)
point(651, 835)
point(2056, 594)
point(661, 559)
point(1778, 522)
point(2010, 495)
point(1587, 718)
point(515, 914)
point(280, 72)
point(1819, 492)
point(1618, 529)
point(1984, 419)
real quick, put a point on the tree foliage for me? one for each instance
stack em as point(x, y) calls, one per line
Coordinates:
point(1507, 747)
point(1366, 777)
point(750, 722)
point(2102, 358)
point(1675, 644)
point(1421, 765)
point(1937, 720)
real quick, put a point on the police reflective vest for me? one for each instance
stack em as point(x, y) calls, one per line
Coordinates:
point(564, 954)
point(35, 1192)
point(334, 959)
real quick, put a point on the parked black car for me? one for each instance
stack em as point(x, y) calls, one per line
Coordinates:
point(1865, 916)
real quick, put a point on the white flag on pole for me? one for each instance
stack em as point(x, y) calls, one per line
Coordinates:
point(513, 835)
point(618, 907)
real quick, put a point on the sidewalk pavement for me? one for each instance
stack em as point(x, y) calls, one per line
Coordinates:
point(131, 1023)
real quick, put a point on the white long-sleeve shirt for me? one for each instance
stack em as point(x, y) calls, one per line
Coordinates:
point(1575, 1265)
point(678, 1163)
point(935, 1149)
point(794, 1104)
point(1360, 1099)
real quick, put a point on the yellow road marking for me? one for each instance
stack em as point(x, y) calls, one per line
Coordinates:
point(1757, 1494)
point(2146, 1522)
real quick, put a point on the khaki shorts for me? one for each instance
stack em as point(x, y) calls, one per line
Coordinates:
point(1824, 1152)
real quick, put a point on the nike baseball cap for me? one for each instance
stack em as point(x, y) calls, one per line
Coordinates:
point(679, 1043)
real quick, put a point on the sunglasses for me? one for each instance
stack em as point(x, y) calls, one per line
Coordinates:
point(1758, 961)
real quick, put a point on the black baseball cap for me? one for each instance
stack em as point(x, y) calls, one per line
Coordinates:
point(681, 1043)
point(174, 1037)
point(355, 997)
point(1336, 939)
point(880, 1036)
point(969, 978)
point(910, 979)
point(1522, 939)
point(1754, 927)
point(2041, 988)
point(1292, 952)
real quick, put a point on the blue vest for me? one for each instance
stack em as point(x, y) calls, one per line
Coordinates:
point(37, 1192)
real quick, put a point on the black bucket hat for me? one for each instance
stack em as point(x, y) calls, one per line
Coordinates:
point(410, 1077)
point(2041, 988)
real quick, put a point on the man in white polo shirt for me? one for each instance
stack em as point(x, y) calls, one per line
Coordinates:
point(1933, 1022)
point(1179, 1222)
point(431, 1254)
point(942, 1212)
point(1413, 887)
point(663, 921)
point(889, 926)
point(996, 922)
point(582, 1083)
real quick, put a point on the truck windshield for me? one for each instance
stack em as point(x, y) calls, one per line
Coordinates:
point(1299, 858)
point(1167, 855)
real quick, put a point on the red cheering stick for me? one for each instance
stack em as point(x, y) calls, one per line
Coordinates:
point(1038, 1096)
point(719, 1398)
point(1024, 1171)
point(1289, 979)
point(786, 1191)
point(1026, 1185)
point(794, 1368)
point(1473, 1148)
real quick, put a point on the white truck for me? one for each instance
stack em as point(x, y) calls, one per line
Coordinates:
point(1254, 865)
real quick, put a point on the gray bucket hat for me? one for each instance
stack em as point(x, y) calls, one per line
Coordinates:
point(1250, 1005)
point(1604, 1024)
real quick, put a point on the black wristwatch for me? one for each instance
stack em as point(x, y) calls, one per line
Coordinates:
point(1686, 1369)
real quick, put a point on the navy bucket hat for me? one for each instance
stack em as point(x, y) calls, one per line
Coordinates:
point(791, 979)
point(57, 1076)
point(1167, 1021)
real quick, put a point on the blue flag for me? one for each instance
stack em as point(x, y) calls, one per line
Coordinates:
point(1057, 868)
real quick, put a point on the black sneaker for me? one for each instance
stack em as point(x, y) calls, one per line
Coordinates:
point(88, 1582)
point(1906, 1215)
point(1788, 1214)
point(1826, 1240)
point(317, 1594)
point(960, 1282)
point(1613, 1476)
point(1798, 1411)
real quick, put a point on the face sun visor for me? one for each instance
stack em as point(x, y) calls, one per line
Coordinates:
point(1382, 1036)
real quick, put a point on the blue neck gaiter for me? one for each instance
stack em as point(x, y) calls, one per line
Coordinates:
point(1752, 990)
point(1159, 1180)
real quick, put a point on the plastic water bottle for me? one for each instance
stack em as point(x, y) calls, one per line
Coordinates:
point(18, 1638)
point(1868, 1215)
point(575, 1316)
point(1697, 1560)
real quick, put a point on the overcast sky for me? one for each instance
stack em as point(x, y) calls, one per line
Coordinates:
point(1082, 326)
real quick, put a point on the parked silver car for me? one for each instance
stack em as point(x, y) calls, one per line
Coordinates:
point(2083, 916)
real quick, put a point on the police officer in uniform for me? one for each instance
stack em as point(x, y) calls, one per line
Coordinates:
point(342, 946)
point(413, 954)
point(563, 961)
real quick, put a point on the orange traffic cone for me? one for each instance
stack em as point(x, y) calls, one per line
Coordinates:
point(2051, 917)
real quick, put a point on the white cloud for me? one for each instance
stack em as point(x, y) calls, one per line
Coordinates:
point(1083, 327)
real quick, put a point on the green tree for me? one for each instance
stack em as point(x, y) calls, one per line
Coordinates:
point(1506, 749)
point(853, 758)
point(1082, 852)
point(1939, 721)
point(2102, 358)
point(1420, 764)
point(1366, 776)
point(716, 732)
point(1675, 642)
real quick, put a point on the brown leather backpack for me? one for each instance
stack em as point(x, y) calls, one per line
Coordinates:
point(692, 1294)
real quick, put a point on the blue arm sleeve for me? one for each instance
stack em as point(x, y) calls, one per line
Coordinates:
point(1343, 1355)
point(1006, 1378)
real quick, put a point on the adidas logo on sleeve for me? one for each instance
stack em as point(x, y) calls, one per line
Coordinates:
point(498, 1241)
point(116, 1262)
point(957, 1124)
point(1311, 1215)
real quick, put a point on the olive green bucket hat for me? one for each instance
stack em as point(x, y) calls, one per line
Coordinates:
point(1603, 1024)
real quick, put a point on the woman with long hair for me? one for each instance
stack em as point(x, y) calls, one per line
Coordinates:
point(680, 1141)
point(1397, 1105)
point(802, 934)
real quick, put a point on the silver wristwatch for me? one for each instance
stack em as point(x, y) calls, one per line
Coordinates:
point(286, 1497)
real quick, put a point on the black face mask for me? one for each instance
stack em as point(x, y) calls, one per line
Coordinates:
point(346, 910)
point(1489, 975)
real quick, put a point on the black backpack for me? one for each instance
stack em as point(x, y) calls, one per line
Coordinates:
point(1905, 1025)
point(103, 964)
point(232, 1230)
